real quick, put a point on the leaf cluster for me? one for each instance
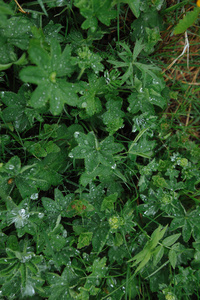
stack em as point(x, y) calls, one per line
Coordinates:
point(98, 198)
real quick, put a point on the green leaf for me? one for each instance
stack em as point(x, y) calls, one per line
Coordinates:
point(32, 74)
point(46, 75)
point(170, 240)
point(23, 272)
point(113, 117)
point(61, 201)
point(108, 202)
point(36, 149)
point(157, 255)
point(140, 256)
point(40, 57)
point(21, 276)
point(42, 175)
point(138, 48)
point(57, 100)
point(118, 254)
point(13, 166)
point(151, 39)
point(173, 258)
point(143, 148)
point(63, 64)
point(91, 22)
point(90, 100)
point(68, 91)
point(5, 66)
point(91, 104)
point(95, 9)
point(21, 27)
point(20, 61)
point(157, 236)
point(52, 147)
point(140, 134)
point(134, 6)
point(86, 59)
point(33, 267)
point(100, 237)
point(177, 222)
point(140, 102)
point(159, 181)
point(40, 96)
point(12, 243)
point(106, 14)
point(50, 205)
point(187, 21)
point(23, 116)
point(13, 266)
point(5, 10)
point(186, 231)
point(118, 239)
point(109, 146)
point(144, 262)
point(57, 3)
point(98, 270)
point(42, 7)
point(51, 30)
point(84, 239)
point(148, 69)
point(94, 152)
point(60, 286)
point(146, 94)
point(145, 255)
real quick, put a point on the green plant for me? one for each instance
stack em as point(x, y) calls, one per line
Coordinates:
point(98, 197)
point(187, 21)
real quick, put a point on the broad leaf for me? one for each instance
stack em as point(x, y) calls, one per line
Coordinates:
point(93, 10)
point(60, 286)
point(90, 92)
point(113, 117)
point(50, 67)
point(100, 237)
point(95, 153)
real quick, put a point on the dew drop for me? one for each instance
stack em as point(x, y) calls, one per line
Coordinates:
point(76, 134)
point(113, 166)
point(40, 215)
point(34, 196)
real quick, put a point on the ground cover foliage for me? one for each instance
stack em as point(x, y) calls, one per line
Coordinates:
point(99, 170)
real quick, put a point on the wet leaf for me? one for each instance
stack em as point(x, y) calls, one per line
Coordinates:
point(113, 117)
point(50, 68)
point(170, 240)
point(84, 239)
point(108, 202)
point(100, 237)
point(93, 152)
point(173, 258)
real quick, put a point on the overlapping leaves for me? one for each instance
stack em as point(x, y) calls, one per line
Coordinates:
point(94, 152)
point(20, 270)
point(96, 10)
point(17, 110)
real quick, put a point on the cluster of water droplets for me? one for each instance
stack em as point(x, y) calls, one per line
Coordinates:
point(19, 217)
